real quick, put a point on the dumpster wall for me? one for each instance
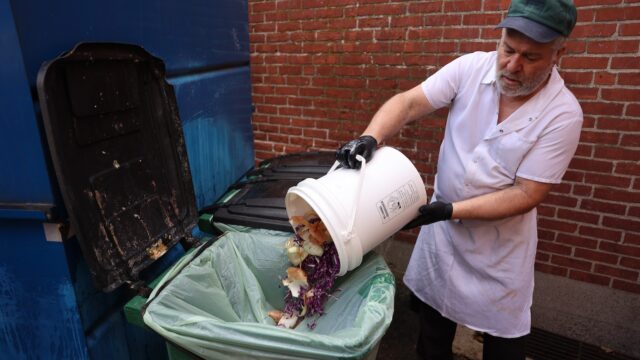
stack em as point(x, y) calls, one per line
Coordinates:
point(50, 308)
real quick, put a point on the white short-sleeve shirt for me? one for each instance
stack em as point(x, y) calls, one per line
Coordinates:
point(480, 273)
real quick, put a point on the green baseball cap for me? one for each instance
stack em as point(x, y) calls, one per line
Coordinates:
point(541, 20)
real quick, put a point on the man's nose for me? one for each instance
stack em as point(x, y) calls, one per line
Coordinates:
point(514, 63)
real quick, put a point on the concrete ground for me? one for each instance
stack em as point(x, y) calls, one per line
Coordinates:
point(400, 340)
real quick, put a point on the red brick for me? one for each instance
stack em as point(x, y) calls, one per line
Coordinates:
point(262, 6)
point(278, 138)
point(627, 168)
point(330, 145)
point(605, 78)
point(589, 277)
point(276, 16)
point(263, 146)
point(266, 109)
point(633, 110)
point(291, 130)
point(263, 155)
point(575, 47)
point(462, 6)
point(625, 63)
point(591, 165)
point(596, 256)
point(626, 250)
point(616, 272)
point(602, 108)
point(442, 20)
point(632, 79)
point(425, 7)
point(407, 21)
point(617, 195)
point(630, 140)
point(481, 19)
point(601, 233)
point(356, 83)
point(577, 77)
point(289, 111)
point(557, 225)
point(385, 9)
point(550, 269)
point(542, 257)
point(461, 32)
point(472, 46)
point(631, 29)
point(302, 141)
point(593, 30)
point(632, 263)
point(328, 13)
point(584, 62)
point(305, 123)
point(377, 22)
point(577, 241)
point(603, 207)
point(571, 263)
point(626, 286)
point(608, 180)
point(621, 95)
point(617, 153)
point(631, 238)
point(560, 200)
point(585, 93)
point(546, 235)
point(578, 216)
point(360, 35)
point(619, 124)
point(576, 176)
point(613, 47)
point(288, 4)
point(618, 13)
point(581, 190)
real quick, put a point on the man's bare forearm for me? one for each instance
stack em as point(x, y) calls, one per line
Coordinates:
point(397, 112)
point(523, 196)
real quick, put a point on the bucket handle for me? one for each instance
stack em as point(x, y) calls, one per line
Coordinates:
point(349, 234)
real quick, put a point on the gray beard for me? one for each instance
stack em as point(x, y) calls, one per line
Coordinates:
point(526, 88)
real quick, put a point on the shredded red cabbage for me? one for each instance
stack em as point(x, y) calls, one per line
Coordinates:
point(322, 272)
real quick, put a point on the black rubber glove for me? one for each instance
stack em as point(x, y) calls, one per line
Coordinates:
point(364, 146)
point(430, 213)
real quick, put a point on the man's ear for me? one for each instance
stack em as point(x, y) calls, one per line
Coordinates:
point(559, 54)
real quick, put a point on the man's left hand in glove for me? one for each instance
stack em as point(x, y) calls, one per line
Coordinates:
point(430, 213)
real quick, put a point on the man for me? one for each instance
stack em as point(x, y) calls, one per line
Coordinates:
point(512, 130)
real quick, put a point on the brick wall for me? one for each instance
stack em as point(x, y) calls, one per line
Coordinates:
point(321, 68)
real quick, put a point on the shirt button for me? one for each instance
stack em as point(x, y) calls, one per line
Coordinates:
point(501, 131)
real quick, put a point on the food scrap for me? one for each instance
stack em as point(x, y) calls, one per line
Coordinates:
point(310, 280)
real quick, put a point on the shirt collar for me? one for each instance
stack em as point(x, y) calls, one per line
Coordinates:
point(531, 110)
point(490, 77)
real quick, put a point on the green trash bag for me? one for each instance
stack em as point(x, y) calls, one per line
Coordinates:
point(214, 304)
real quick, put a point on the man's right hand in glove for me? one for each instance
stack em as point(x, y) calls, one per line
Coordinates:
point(364, 146)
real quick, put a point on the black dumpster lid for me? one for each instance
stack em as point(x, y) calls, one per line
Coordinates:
point(118, 150)
point(258, 204)
point(294, 166)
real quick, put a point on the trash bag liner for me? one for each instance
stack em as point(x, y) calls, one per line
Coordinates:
point(214, 304)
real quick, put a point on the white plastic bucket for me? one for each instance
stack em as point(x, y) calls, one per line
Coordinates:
point(362, 208)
